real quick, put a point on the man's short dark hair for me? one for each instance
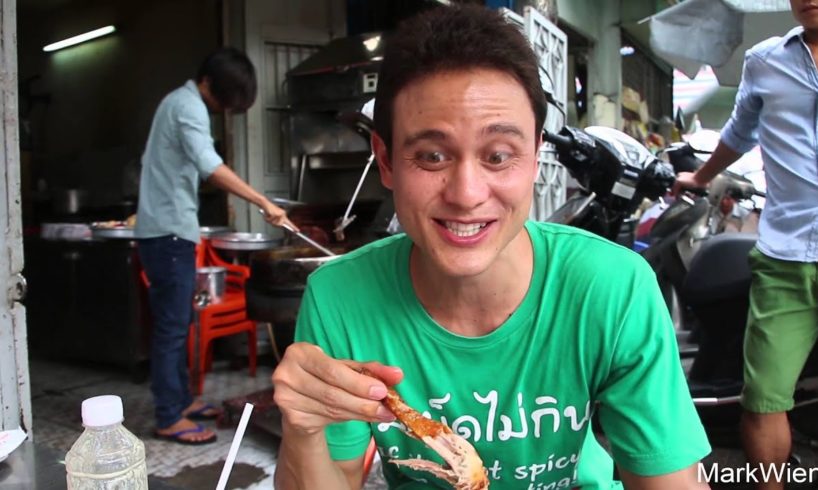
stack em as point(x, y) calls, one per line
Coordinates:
point(232, 78)
point(454, 38)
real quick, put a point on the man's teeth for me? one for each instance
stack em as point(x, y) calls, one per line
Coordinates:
point(463, 229)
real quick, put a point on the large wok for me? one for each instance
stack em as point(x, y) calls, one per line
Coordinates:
point(287, 267)
point(276, 284)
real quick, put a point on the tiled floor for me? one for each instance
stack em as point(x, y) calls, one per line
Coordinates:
point(58, 390)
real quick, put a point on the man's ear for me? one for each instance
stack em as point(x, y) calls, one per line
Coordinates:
point(382, 156)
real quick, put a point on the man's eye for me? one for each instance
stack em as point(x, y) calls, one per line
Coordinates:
point(498, 157)
point(431, 156)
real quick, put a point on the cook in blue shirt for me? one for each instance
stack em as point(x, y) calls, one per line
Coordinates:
point(777, 108)
point(179, 153)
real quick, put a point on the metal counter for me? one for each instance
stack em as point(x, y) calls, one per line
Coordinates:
point(86, 302)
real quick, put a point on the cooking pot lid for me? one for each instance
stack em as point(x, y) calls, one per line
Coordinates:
point(209, 231)
point(244, 241)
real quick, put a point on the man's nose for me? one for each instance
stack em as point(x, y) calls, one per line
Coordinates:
point(466, 185)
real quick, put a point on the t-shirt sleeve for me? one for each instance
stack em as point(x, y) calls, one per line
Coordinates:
point(645, 406)
point(346, 440)
point(197, 143)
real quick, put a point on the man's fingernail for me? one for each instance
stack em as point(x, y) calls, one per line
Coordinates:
point(377, 392)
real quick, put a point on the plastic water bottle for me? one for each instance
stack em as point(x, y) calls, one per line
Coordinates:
point(107, 456)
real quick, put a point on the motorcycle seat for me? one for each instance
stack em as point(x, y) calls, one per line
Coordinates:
point(715, 389)
point(719, 271)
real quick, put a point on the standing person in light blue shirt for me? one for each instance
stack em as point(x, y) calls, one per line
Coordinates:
point(179, 153)
point(777, 107)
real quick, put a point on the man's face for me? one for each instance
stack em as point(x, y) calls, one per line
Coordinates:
point(462, 167)
point(210, 100)
point(805, 12)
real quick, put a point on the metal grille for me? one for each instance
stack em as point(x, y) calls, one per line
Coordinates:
point(654, 85)
point(279, 58)
point(551, 46)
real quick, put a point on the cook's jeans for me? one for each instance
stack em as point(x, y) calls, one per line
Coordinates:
point(170, 264)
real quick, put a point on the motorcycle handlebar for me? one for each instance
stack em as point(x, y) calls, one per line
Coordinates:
point(698, 191)
point(561, 142)
point(759, 193)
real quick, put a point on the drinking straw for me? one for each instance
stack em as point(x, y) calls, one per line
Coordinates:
point(234, 446)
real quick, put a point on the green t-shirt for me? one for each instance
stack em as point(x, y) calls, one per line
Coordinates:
point(592, 333)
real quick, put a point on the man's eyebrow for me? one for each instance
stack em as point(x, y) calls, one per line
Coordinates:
point(426, 134)
point(504, 129)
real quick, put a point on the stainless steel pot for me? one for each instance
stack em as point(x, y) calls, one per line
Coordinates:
point(69, 201)
point(210, 284)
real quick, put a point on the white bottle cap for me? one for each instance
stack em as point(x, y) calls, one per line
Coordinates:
point(100, 411)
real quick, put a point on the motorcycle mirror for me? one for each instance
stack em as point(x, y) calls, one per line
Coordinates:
point(679, 120)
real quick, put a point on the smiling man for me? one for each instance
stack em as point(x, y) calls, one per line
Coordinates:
point(511, 332)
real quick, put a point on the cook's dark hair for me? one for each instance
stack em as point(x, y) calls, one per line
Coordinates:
point(232, 78)
point(453, 38)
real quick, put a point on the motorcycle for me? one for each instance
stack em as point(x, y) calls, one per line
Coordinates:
point(703, 274)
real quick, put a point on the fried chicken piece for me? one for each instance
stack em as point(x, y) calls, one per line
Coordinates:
point(465, 469)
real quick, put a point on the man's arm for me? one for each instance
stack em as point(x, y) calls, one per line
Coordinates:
point(196, 142)
point(313, 390)
point(723, 156)
point(304, 462)
point(738, 136)
point(685, 479)
point(227, 180)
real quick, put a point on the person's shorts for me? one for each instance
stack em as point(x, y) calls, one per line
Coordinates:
point(782, 326)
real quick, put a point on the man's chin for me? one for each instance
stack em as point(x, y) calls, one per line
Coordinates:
point(463, 265)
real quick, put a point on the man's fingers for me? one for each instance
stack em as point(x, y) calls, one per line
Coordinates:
point(332, 402)
point(343, 375)
point(676, 189)
point(311, 412)
point(309, 382)
point(286, 221)
point(390, 375)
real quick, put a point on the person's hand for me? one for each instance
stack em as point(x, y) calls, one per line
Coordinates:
point(313, 390)
point(276, 216)
point(687, 180)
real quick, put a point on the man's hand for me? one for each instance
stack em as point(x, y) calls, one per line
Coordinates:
point(687, 180)
point(721, 158)
point(226, 179)
point(275, 215)
point(313, 390)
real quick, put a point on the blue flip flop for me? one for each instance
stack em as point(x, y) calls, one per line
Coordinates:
point(177, 436)
point(200, 414)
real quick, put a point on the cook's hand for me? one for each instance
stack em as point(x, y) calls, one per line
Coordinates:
point(313, 390)
point(276, 216)
point(687, 180)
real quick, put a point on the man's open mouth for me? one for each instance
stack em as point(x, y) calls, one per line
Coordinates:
point(463, 230)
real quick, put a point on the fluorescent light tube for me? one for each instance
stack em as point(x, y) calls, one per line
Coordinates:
point(80, 38)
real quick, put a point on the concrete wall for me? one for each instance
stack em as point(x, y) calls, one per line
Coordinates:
point(599, 21)
point(102, 94)
point(582, 15)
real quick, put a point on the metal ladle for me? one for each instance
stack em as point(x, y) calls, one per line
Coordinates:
point(304, 237)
